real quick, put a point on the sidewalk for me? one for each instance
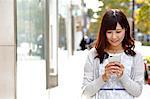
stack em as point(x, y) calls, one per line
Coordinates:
point(70, 78)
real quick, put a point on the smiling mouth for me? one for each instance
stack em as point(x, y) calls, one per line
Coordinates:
point(114, 41)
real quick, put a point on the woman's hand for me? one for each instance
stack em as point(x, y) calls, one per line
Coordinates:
point(119, 70)
point(113, 68)
point(108, 71)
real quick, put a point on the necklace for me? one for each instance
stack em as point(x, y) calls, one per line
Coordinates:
point(115, 51)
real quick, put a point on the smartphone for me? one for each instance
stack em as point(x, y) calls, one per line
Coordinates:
point(114, 59)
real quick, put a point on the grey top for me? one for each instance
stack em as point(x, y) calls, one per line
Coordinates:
point(93, 82)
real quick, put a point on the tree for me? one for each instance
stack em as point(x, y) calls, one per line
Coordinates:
point(124, 5)
point(142, 18)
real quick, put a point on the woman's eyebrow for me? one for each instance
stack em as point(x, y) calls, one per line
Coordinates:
point(118, 29)
point(114, 30)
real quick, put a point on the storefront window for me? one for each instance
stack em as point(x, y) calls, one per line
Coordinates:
point(32, 47)
point(30, 29)
point(62, 22)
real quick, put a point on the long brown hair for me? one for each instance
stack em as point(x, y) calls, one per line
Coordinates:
point(109, 22)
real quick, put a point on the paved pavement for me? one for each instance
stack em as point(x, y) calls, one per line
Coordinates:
point(70, 78)
point(31, 85)
point(70, 74)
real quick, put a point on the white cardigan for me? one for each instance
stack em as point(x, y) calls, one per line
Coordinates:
point(92, 81)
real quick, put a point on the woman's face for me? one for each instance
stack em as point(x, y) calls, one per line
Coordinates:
point(115, 37)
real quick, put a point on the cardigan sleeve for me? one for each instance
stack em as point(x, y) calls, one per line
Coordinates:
point(133, 83)
point(90, 85)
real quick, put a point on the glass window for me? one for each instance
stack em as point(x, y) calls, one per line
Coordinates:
point(62, 19)
point(32, 47)
point(30, 29)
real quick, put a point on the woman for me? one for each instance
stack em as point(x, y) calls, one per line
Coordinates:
point(113, 70)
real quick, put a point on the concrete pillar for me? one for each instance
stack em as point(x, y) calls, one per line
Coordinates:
point(53, 43)
point(7, 50)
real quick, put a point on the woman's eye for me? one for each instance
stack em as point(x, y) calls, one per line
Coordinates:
point(109, 32)
point(118, 31)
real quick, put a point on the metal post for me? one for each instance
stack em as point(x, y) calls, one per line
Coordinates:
point(84, 18)
point(133, 5)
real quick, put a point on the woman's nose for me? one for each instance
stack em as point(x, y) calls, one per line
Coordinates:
point(114, 35)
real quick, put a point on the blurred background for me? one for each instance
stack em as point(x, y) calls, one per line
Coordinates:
point(44, 43)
